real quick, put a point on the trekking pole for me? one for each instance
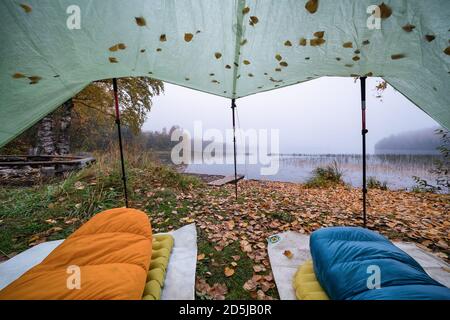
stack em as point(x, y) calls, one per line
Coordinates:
point(124, 177)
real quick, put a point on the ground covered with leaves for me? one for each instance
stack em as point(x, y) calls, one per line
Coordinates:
point(232, 252)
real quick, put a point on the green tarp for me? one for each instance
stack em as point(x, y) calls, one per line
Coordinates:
point(230, 48)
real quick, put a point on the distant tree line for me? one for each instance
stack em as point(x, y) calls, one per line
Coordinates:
point(159, 140)
point(424, 141)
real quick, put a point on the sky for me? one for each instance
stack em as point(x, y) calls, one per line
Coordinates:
point(316, 117)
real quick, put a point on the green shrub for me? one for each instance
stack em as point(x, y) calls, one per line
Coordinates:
point(374, 183)
point(326, 176)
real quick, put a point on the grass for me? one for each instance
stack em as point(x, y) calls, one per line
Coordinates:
point(153, 188)
point(374, 183)
point(24, 210)
point(211, 268)
point(326, 176)
point(53, 211)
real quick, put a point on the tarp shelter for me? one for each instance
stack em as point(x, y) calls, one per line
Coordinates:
point(52, 49)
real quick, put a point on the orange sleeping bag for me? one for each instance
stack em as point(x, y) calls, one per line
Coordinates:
point(106, 258)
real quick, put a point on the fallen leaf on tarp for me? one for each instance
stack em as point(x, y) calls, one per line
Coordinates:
point(27, 8)
point(312, 6)
point(18, 75)
point(140, 21)
point(385, 11)
point(288, 254)
point(188, 37)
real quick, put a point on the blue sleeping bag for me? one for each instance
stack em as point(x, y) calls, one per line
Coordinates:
point(345, 258)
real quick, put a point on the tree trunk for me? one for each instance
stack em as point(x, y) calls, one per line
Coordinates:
point(45, 136)
point(63, 144)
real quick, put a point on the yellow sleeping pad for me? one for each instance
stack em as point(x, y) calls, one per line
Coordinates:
point(306, 285)
point(161, 249)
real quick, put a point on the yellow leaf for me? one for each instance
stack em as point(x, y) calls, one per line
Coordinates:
point(228, 271)
point(200, 257)
point(348, 45)
point(288, 254)
point(188, 37)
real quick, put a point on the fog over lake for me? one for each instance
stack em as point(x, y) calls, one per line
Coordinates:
point(320, 119)
point(316, 117)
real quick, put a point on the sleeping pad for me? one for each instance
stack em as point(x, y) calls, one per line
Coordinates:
point(110, 253)
point(347, 260)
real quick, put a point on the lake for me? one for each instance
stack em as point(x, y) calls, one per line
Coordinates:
point(396, 170)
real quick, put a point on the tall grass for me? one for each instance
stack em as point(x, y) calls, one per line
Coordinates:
point(24, 211)
point(326, 176)
point(374, 183)
point(95, 188)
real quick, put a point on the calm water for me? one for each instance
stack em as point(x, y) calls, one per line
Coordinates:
point(396, 170)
